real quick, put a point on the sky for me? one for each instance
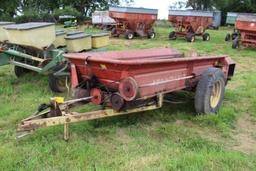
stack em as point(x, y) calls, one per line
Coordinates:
point(161, 5)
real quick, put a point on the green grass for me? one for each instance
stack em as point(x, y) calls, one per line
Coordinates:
point(171, 138)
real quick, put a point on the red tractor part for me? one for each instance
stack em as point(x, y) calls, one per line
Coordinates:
point(133, 21)
point(246, 26)
point(128, 89)
point(190, 23)
point(97, 96)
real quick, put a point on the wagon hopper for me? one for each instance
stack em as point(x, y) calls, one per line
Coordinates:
point(246, 26)
point(125, 82)
point(133, 21)
point(231, 18)
point(3, 34)
point(101, 19)
point(189, 24)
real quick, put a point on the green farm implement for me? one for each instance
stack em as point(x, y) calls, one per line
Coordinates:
point(47, 62)
point(38, 47)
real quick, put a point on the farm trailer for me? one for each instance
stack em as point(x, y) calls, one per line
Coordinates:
point(102, 20)
point(133, 21)
point(189, 24)
point(246, 27)
point(216, 20)
point(124, 82)
point(231, 18)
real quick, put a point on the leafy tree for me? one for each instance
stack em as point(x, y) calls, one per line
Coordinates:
point(9, 8)
point(86, 7)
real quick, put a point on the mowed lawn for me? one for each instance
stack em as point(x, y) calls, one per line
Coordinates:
point(171, 138)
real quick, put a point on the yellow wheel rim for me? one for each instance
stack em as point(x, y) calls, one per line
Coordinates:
point(216, 93)
point(193, 39)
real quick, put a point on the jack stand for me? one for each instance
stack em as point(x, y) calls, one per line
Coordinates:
point(66, 132)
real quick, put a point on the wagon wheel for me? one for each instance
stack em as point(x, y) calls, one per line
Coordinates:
point(151, 34)
point(235, 44)
point(235, 35)
point(172, 35)
point(228, 37)
point(206, 37)
point(114, 32)
point(129, 35)
point(210, 91)
point(190, 37)
point(57, 83)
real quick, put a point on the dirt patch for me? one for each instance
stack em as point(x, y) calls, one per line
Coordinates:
point(142, 162)
point(244, 135)
point(122, 137)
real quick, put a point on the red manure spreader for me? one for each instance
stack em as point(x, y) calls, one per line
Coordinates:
point(124, 82)
point(189, 24)
point(246, 27)
point(133, 21)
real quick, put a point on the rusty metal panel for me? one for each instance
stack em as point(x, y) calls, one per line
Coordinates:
point(191, 13)
point(133, 10)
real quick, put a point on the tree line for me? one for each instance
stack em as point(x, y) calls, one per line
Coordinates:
point(248, 6)
point(29, 10)
point(50, 9)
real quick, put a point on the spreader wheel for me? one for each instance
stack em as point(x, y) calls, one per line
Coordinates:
point(114, 32)
point(81, 93)
point(19, 71)
point(129, 35)
point(172, 35)
point(228, 37)
point(235, 44)
point(206, 37)
point(151, 35)
point(190, 37)
point(210, 91)
point(57, 83)
point(117, 102)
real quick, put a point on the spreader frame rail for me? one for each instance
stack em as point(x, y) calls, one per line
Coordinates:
point(32, 123)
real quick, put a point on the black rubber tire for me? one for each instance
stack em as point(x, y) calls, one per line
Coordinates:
point(204, 91)
point(54, 82)
point(206, 37)
point(81, 93)
point(114, 32)
point(235, 44)
point(235, 35)
point(190, 37)
point(19, 71)
point(172, 35)
point(129, 35)
point(151, 35)
point(228, 37)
